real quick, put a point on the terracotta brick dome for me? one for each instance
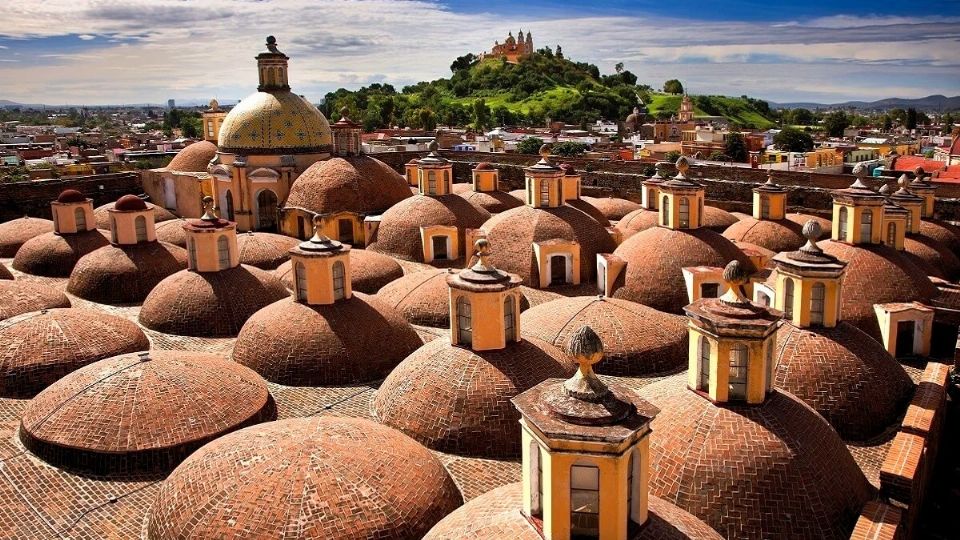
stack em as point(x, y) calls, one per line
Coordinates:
point(264, 250)
point(5, 273)
point(16, 232)
point(654, 258)
point(459, 188)
point(850, 379)
point(496, 514)
point(514, 232)
point(717, 219)
point(359, 184)
point(125, 274)
point(193, 158)
point(130, 203)
point(172, 232)
point(773, 470)
point(369, 271)
point(933, 258)
point(777, 236)
point(38, 348)
point(306, 478)
point(493, 202)
point(457, 400)
point(613, 208)
point(638, 220)
point(209, 304)
point(802, 219)
point(19, 297)
point(941, 232)
point(71, 196)
point(518, 194)
point(637, 340)
point(102, 213)
point(483, 166)
point(399, 232)
point(54, 255)
point(590, 210)
point(421, 297)
point(876, 274)
point(353, 340)
point(142, 412)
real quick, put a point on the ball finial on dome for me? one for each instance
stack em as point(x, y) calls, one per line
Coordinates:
point(735, 274)
point(434, 146)
point(918, 172)
point(208, 214)
point(586, 348)
point(481, 252)
point(544, 151)
point(683, 165)
point(860, 171)
point(214, 105)
point(812, 230)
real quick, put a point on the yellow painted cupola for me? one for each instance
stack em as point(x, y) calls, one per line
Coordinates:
point(857, 212)
point(925, 190)
point(650, 195)
point(435, 173)
point(211, 241)
point(769, 200)
point(681, 200)
point(808, 283)
point(913, 203)
point(321, 269)
point(544, 182)
point(893, 226)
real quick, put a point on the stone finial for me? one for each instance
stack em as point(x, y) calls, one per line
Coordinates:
point(860, 171)
point(318, 235)
point(770, 181)
point(479, 263)
point(735, 274)
point(903, 181)
point(812, 231)
point(214, 105)
point(433, 146)
point(208, 213)
point(272, 45)
point(343, 113)
point(658, 168)
point(544, 151)
point(586, 348)
point(918, 173)
point(884, 190)
point(683, 165)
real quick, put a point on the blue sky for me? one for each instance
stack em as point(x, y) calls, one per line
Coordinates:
point(114, 51)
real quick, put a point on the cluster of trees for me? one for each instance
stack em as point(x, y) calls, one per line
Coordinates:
point(531, 145)
point(836, 121)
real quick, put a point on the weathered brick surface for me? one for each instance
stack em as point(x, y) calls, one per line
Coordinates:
point(369, 271)
point(777, 236)
point(172, 232)
point(422, 297)
point(53, 255)
point(902, 467)
point(264, 250)
point(102, 215)
point(125, 274)
point(16, 232)
point(493, 202)
point(19, 297)
point(361, 184)
point(878, 521)
point(933, 258)
point(18, 199)
point(613, 208)
point(399, 231)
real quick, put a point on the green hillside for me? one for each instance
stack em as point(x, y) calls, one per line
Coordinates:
point(743, 111)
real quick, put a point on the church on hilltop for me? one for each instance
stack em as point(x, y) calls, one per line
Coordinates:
point(513, 49)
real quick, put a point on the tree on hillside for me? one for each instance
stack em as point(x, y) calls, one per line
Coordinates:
point(673, 86)
point(568, 149)
point(793, 140)
point(463, 62)
point(835, 123)
point(481, 114)
point(530, 145)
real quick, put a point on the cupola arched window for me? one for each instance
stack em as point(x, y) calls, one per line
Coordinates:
point(544, 193)
point(703, 378)
point(843, 223)
point(81, 218)
point(584, 500)
point(300, 276)
point(684, 208)
point(509, 320)
point(464, 321)
point(764, 207)
point(431, 182)
point(788, 297)
point(339, 280)
point(738, 371)
point(892, 234)
point(140, 224)
point(536, 480)
point(866, 225)
point(665, 211)
point(223, 251)
point(817, 296)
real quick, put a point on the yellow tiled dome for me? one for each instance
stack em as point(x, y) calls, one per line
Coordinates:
point(275, 122)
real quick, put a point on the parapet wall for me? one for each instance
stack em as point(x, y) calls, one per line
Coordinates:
point(33, 197)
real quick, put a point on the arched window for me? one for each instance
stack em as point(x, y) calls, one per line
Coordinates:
point(509, 320)
point(300, 276)
point(464, 322)
point(817, 295)
point(703, 380)
point(909, 221)
point(223, 251)
point(763, 299)
point(339, 280)
point(665, 211)
point(81, 219)
point(788, 298)
point(529, 191)
point(192, 253)
point(738, 371)
point(843, 223)
point(229, 198)
point(764, 207)
point(892, 234)
point(536, 480)
point(544, 193)
point(431, 182)
point(684, 208)
point(140, 224)
point(866, 226)
point(584, 500)
point(446, 181)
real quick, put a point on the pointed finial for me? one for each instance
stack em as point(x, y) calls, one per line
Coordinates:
point(812, 231)
point(918, 173)
point(770, 181)
point(343, 112)
point(735, 274)
point(208, 214)
point(683, 165)
point(903, 181)
point(434, 146)
point(586, 348)
point(478, 263)
point(214, 105)
point(318, 235)
point(884, 189)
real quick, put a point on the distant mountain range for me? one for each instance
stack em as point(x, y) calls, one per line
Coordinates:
point(6, 103)
point(934, 103)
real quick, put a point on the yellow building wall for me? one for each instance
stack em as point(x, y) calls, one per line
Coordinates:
point(802, 294)
point(695, 205)
point(319, 276)
point(854, 220)
point(718, 390)
point(487, 318)
point(204, 250)
point(778, 205)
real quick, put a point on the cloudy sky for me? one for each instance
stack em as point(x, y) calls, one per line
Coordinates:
point(134, 51)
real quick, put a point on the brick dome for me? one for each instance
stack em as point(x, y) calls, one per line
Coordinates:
point(774, 470)
point(306, 478)
point(142, 412)
point(125, 274)
point(654, 258)
point(129, 203)
point(16, 232)
point(55, 255)
point(399, 232)
point(483, 166)
point(613, 208)
point(369, 271)
point(172, 232)
point(193, 158)
point(353, 340)
point(638, 220)
point(941, 232)
point(590, 210)
point(457, 400)
point(777, 236)
point(933, 258)
point(514, 232)
point(459, 188)
point(493, 202)
point(876, 274)
point(850, 379)
point(102, 214)
point(359, 184)
point(496, 514)
point(637, 340)
point(421, 297)
point(71, 196)
point(518, 194)
point(264, 250)
point(209, 304)
point(802, 219)
point(38, 348)
point(19, 297)
point(717, 219)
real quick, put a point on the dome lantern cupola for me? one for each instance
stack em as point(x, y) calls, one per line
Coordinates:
point(486, 178)
point(211, 241)
point(904, 198)
point(435, 173)
point(544, 180)
point(893, 227)
point(681, 200)
point(132, 221)
point(346, 136)
point(769, 200)
point(321, 269)
point(72, 213)
point(731, 343)
point(808, 283)
point(857, 212)
point(571, 186)
point(272, 66)
point(650, 199)
point(924, 190)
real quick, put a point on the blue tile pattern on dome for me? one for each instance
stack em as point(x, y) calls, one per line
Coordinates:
point(275, 122)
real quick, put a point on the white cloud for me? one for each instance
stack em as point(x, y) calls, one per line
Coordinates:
point(87, 37)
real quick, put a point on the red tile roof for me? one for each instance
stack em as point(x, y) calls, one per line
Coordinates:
point(909, 163)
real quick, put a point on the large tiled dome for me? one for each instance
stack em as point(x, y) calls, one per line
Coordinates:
point(421, 297)
point(638, 220)
point(942, 232)
point(264, 250)
point(399, 232)
point(16, 232)
point(933, 258)
point(55, 255)
point(361, 184)
point(307, 478)
point(125, 274)
point(717, 219)
point(369, 271)
point(172, 232)
point(102, 214)
point(275, 122)
point(142, 412)
point(19, 297)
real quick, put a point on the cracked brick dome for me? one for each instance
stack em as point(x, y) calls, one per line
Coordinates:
point(493, 202)
point(772, 470)
point(399, 232)
point(55, 255)
point(360, 184)
point(717, 219)
point(933, 258)
point(850, 379)
point(19, 297)
point(369, 271)
point(654, 258)
point(125, 274)
point(172, 232)
point(264, 250)
point(209, 304)
point(496, 514)
point(514, 232)
point(142, 412)
point(637, 340)
point(353, 340)
point(777, 236)
point(613, 208)
point(638, 220)
point(16, 232)
point(102, 213)
point(129, 203)
point(457, 400)
point(38, 348)
point(306, 478)
point(193, 158)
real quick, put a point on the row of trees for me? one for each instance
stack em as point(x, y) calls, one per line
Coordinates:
point(832, 121)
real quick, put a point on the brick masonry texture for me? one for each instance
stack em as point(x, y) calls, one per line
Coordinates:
point(14, 233)
point(19, 297)
point(369, 271)
point(590, 210)
point(33, 197)
point(934, 258)
point(102, 215)
point(489, 201)
point(777, 236)
point(638, 220)
point(125, 274)
point(399, 231)
point(421, 297)
point(361, 184)
point(53, 255)
point(264, 250)
point(612, 208)
point(172, 232)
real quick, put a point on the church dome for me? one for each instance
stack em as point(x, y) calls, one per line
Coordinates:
point(38, 348)
point(802, 219)
point(129, 203)
point(275, 122)
point(19, 297)
point(369, 271)
point(850, 379)
point(209, 304)
point(16, 232)
point(193, 158)
point(125, 274)
point(172, 232)
point(590, 210)
point(360, 184)
point(70, 196)
point(456, 400)
point(654, 258)
point(307, 478)
point(933, 258)
point(637, 340)
point(717, 219)
point(944, 233)
point(352, 340)
point(55, 255)
point(422, 298)
point(518, 194)
point(777, 236)
point(613, 208)
point(264, 250)
point(772, 470)
point(102, 213)
point(637, 220)
point(493, 202)
point(142, 412)
point(399, 232)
